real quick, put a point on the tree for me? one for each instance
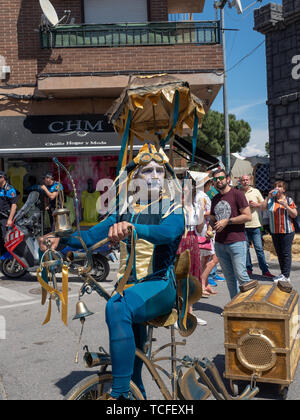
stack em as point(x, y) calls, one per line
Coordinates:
point(211, 138)
point(267, 148)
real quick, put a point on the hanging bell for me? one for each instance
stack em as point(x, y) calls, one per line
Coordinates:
point(62, 223)
point(82, 310)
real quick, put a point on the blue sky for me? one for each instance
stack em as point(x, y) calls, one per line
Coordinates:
point(246, 83)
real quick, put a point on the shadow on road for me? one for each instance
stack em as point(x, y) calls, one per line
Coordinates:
point(200, 306)
point(266, 390)
point(67, 383)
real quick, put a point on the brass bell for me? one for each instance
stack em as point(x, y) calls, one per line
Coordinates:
point(81, 313)
point(62, 222)
point(82, 310)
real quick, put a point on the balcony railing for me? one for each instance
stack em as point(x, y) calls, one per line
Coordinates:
point(130, 34)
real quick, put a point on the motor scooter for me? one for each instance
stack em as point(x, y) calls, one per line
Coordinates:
point(22, 246)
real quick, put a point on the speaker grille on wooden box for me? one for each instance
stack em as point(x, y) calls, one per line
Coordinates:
point(256, 352)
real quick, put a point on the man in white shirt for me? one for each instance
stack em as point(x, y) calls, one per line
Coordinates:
point(253, 233)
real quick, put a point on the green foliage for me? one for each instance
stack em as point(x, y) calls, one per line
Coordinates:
point(267, 148)
point(211, 138)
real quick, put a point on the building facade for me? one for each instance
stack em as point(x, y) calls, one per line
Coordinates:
point(281, 26)
point(63, 63)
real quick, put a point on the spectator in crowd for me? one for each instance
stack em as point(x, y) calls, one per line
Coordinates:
point(209, 189)
point(253, 228)
point(209, 259)
point(8, 207)
point(229, 213)
point(194, 225)
point(51, 188)
point(213, 276)
point(282, 210)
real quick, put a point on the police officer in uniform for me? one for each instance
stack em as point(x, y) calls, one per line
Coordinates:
point(51, 189)
point(8, 207)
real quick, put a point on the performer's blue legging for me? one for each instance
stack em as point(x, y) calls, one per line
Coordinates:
point(124, 316)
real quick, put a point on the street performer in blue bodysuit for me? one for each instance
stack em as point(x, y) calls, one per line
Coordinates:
point(153, 225)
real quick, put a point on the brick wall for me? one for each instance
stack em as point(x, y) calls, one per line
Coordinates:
point(290, 7)
point(19, 35)
point(186, 6)
point(132, 58)
point(20, 45)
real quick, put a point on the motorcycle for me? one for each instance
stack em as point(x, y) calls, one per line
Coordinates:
point(22, 246)
point(101, 258)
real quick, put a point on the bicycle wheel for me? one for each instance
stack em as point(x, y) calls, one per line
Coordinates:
point(92, 387)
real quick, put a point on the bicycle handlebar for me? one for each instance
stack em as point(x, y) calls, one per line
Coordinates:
point(79, 256)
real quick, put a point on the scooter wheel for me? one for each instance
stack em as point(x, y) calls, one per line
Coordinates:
point(101, 268)
point(12, 269)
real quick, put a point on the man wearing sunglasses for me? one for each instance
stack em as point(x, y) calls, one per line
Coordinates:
point(8, 207)
point(229, 213)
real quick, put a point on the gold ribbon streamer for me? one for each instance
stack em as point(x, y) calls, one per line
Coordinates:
point(48, 316)
point(63, 296)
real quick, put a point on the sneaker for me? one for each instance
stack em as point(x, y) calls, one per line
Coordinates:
point(201, 321)
point(219, 278)
point(268, 274)
point(279, 278)
point(212, 282)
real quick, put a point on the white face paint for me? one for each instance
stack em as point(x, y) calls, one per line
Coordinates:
point(151, 177)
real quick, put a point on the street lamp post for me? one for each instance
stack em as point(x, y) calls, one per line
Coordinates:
point(225, 100)
point(220, 5)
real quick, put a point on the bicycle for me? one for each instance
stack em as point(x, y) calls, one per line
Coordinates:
point(185, 385)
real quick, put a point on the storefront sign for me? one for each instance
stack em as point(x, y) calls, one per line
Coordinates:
point(69, 124)
point(57, 133)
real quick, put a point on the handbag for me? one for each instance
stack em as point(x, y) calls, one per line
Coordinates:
point(204, 243)
point(296, 221)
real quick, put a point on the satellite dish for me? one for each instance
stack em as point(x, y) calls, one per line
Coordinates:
point(49, 12)
point(237, 4)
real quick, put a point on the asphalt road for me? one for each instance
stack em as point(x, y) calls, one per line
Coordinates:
point(37, 362)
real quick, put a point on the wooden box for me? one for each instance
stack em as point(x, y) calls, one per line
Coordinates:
point(262, 335)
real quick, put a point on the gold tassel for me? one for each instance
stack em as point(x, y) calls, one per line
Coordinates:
point(48, 316)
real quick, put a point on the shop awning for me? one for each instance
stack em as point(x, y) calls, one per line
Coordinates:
point(201, 157)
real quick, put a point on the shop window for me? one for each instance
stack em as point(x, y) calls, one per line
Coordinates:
point(115, 11)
